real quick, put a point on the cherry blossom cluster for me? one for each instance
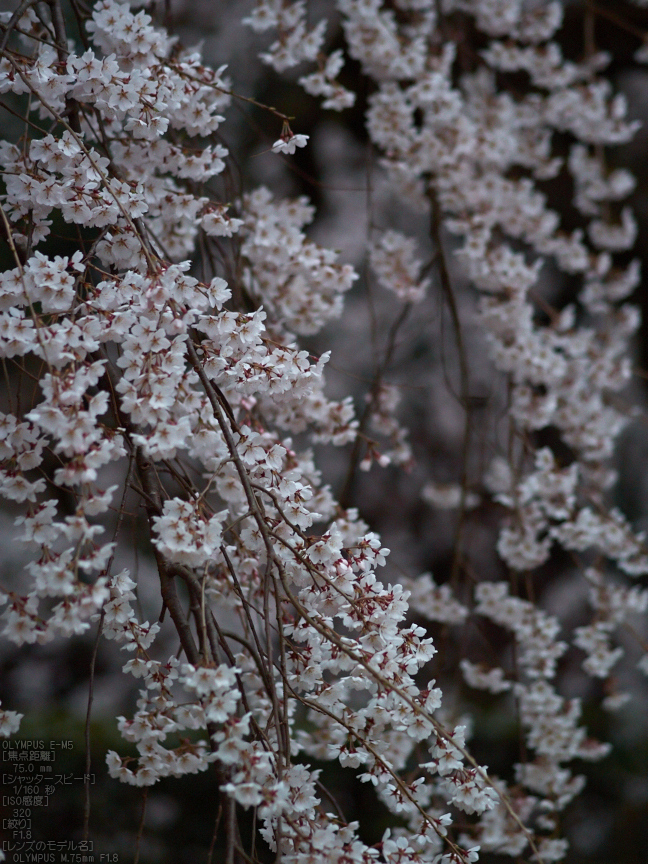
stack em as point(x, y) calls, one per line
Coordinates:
point(146, 364)
point(473, 157)
point(168, 387)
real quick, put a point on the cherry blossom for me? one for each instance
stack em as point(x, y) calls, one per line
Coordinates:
point(288, 143)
